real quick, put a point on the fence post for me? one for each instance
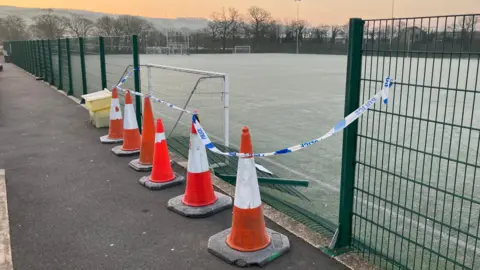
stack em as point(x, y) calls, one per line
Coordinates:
point(136, 66)
point(103, 69)
point(69, 68)
point(60, 67)
point(52, 74)
point(343, 235)
point(82, 65)
point(27, 53)
point(44, 58)
point(39, 62)
point(35, 59)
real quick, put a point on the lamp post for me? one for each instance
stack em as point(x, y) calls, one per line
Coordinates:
point(297, 24)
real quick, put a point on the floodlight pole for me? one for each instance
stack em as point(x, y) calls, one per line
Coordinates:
point(298, 12)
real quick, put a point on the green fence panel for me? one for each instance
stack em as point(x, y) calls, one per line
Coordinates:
point(69, 74)
point(352, 97)
point(46, 71)
point(59, 65)
point(82, 65)
point(93, 70)
point(103, 69)
point(136, 77)
point(416, 190)
point(55, 62)
point(76, 66)
point(50, 63)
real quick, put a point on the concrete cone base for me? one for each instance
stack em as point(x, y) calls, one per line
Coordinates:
point(176, 205)
point(279, 245)
point(139, 167)
point(106, 140)
point(146, 182)
point(117, 150)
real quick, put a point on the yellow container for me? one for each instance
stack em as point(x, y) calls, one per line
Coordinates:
point(100, 118)
point(98, 101)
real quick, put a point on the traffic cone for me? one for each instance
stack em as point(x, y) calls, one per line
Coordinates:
point(162, 174)
point(131, 135)
point(115, 130)
point(248, 241)
point(199, 199)
point(144, 163)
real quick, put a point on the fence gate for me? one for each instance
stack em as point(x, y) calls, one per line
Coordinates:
point(412, 198)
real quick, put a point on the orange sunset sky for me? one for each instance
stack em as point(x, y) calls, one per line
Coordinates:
point(315, 11)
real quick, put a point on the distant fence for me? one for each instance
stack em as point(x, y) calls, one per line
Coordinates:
point(78, 66)
point(409, 181)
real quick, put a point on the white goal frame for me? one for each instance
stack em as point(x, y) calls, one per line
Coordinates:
point(226, 90)
point(242, 47)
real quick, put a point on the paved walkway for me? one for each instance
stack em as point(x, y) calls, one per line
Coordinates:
point(73, 205)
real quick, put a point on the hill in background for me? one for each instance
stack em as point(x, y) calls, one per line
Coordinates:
point(28, 13)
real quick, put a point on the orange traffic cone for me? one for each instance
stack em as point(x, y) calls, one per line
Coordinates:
point(162, 174)
point(248, 241)
point(115, 130)
point(144, 163)
point(199, 199)
point(131, 135)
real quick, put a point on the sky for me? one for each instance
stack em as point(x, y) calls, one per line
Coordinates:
point(314, 11)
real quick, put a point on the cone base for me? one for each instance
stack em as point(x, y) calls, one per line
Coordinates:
point(117, 150)
point(176, 205)
point(139, 167)
point(145, 181)
point(279, 245)
point(106, 140)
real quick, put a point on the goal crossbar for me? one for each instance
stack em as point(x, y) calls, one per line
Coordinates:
point(226, 90)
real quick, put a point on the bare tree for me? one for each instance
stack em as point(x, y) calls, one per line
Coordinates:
point(130, 25)
point(105, 26)
point(13, 28)
point(49, 25)
point(336, 30)
point(259, 20)
point(321, 32)
point(226, 24)
point(80, 25)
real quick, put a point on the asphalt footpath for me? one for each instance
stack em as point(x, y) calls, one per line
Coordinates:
point(74, 205)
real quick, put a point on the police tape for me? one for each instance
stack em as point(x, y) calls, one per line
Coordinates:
point(383, 95)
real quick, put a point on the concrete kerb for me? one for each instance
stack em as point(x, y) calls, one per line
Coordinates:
point(5, 247)
point(350, 259)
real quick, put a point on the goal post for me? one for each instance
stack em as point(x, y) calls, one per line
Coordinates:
point(242, 49)
point(181, 86)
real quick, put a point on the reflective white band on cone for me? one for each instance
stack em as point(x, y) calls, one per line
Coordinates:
point(247, 192)
point(129, 122)
point(115, 112)
point(159, 137)
point(197, 156)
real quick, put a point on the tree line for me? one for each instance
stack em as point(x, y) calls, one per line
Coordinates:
point(228, 28)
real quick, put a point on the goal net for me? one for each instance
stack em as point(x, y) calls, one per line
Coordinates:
point(169, 50)
point(241, 49)
point(201, 90)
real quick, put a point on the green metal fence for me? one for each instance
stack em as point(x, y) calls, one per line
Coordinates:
point(410, 200)
point(78, 65)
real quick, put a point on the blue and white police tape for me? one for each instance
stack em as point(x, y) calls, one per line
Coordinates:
point(155, 99)
point(337, 128)
point(383, 94)
point(124, 79)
